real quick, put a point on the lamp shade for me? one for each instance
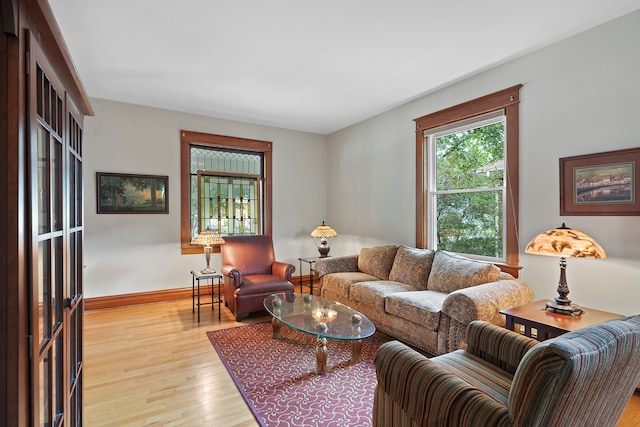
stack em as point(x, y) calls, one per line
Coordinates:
point(323, 235)
point(207, 237)
point(565, 242)
point(324, 231)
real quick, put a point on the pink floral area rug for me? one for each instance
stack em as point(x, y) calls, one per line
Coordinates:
point(277, 379)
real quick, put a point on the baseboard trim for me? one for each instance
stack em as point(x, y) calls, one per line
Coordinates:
point(123, 300)
point(113, 301)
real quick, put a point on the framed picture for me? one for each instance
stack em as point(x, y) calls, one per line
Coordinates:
point(130, 193)
point(600, 184)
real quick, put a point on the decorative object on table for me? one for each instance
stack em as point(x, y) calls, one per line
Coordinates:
point(118, 193)
point(276, 374)
point(600, 184)
point(564, 242)
point(323, 235)
point(208, 238)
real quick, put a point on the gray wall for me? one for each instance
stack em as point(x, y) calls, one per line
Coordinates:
point(580, 96)
point(137, 253)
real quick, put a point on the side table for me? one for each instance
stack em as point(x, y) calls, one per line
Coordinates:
point(533, 321)
point(196, 276)
point(310, 261)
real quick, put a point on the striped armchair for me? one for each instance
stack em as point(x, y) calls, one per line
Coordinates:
point(582, 378)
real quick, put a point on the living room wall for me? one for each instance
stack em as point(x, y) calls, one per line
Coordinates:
point(141, 252)
point(579, 96)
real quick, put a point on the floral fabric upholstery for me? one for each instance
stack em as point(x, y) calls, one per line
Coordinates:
point(421, 307)
point(340, 283)
point(412, 266)
point(374, 293)
point(451, 272)
point(475, 303)
point(377, 261)
point(430, 320)
point(339, 264)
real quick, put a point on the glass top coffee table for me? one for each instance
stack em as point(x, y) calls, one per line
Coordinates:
point(322, 318)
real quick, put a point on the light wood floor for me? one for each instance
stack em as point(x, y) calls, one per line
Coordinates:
point(154, 365)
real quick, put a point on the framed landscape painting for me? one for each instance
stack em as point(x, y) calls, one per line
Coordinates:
point(131, 193)
point(600, 184)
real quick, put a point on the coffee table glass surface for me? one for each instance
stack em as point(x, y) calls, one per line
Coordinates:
point(322, 318)
point(310, 314)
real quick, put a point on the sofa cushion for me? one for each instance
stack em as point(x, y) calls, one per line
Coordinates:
point(451, 272)
point(377, 261)
point(421, 307)
point(373, 293)
point(412, 266)
point(339, 283)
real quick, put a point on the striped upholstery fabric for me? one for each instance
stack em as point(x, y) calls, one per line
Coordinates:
point(489, 342)
point(583, 378)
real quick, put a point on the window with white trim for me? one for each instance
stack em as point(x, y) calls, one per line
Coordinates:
point(466, 187)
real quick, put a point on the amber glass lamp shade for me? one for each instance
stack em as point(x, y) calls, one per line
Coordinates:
point(564, 242)
point(323, 235)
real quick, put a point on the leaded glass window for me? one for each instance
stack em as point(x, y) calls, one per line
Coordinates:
point(226, 191)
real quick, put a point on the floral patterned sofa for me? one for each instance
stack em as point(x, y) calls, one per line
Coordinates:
point(422, 297)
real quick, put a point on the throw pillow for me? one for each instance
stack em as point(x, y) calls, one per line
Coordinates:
point(377, 261)
point(451, 272)
point(412, 266)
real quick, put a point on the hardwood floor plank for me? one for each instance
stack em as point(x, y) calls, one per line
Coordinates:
point(154, 365)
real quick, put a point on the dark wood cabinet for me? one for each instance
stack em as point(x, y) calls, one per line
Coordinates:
point(42, 105)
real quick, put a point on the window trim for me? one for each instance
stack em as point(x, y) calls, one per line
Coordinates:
point(507, 100)
point(188, 138)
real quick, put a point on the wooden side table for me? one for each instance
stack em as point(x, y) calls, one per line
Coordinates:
point(532, 320)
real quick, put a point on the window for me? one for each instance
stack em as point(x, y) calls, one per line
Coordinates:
point(225, 186)
point(467, 179)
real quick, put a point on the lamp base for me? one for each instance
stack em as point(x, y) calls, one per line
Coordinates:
point(324, 251)
point(563, 308)
point(207, 270)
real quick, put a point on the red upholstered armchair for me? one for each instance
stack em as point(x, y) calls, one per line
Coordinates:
point(251, 273)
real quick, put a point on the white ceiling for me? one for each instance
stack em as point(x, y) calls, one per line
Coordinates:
point(310, 65)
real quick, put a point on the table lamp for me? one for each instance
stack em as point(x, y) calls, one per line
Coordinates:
point(564, 242)
point(207, 238)
point(323, 235)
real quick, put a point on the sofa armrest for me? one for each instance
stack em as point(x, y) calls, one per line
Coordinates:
point(338, 264)
point(497, 345)
point(282, 269)
point(425, 392)
point(484, 302)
